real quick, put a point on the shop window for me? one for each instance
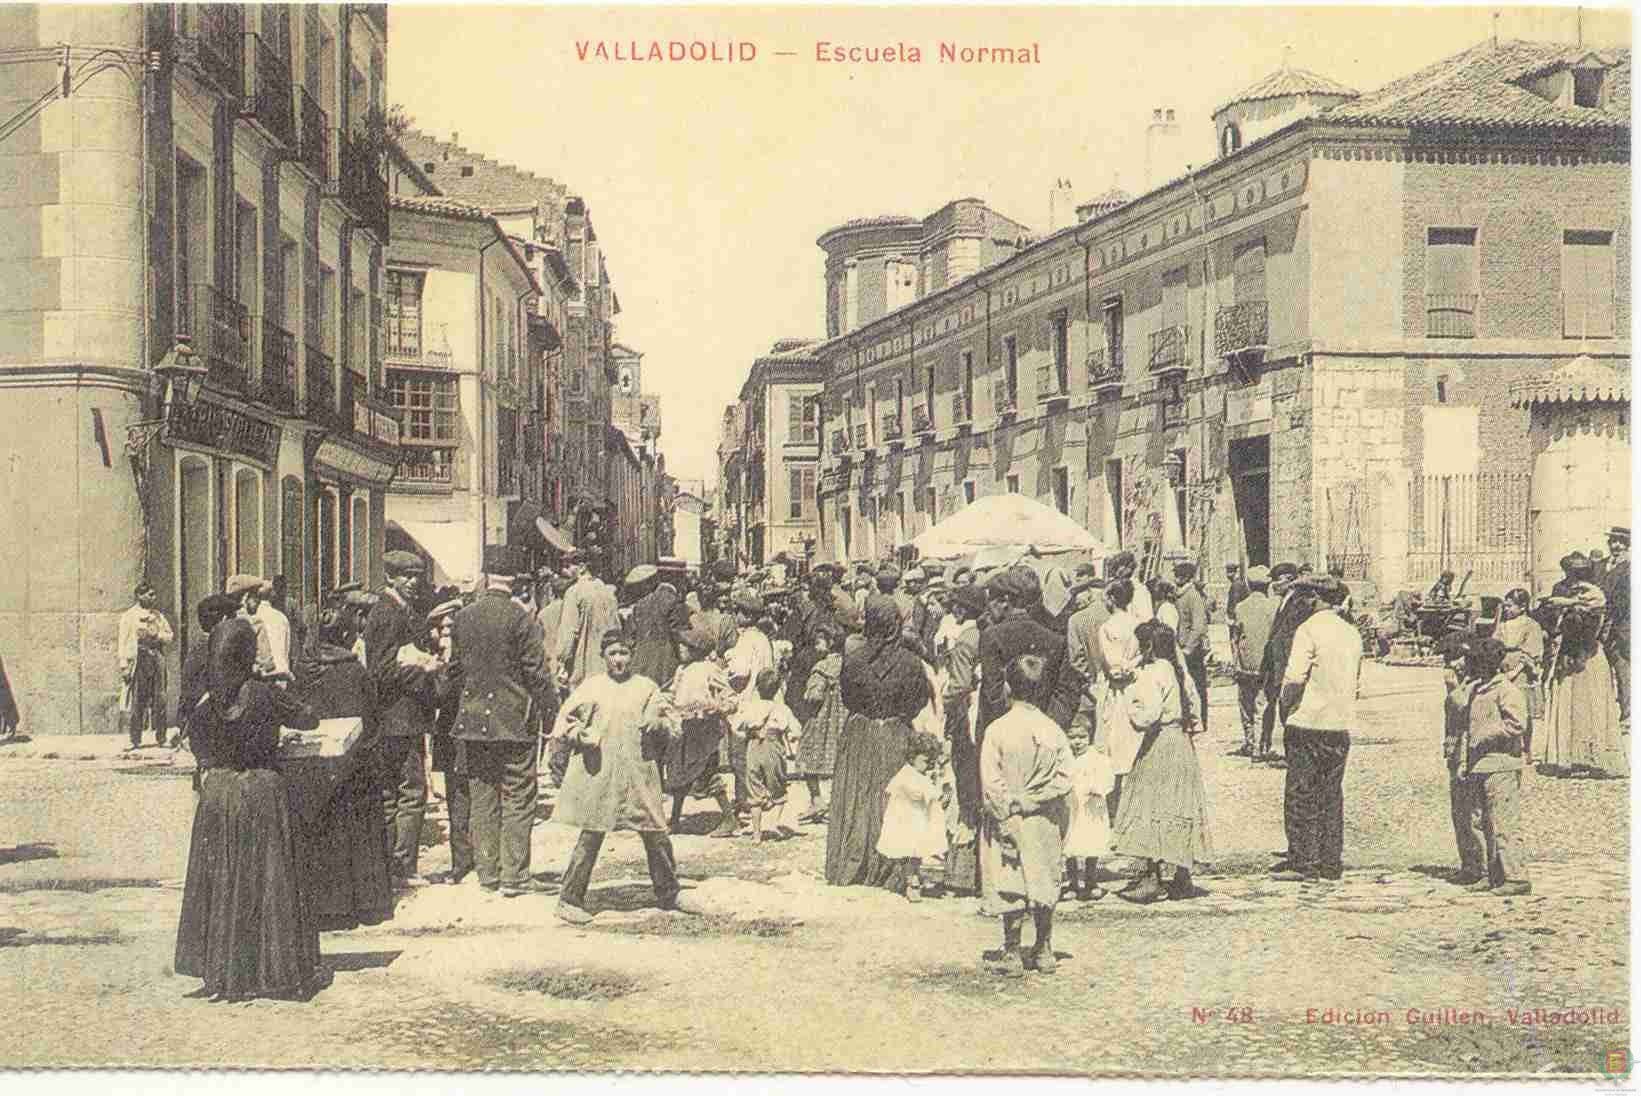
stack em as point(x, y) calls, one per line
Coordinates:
point(247, 521)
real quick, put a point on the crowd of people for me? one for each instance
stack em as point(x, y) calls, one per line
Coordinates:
point(990, 731)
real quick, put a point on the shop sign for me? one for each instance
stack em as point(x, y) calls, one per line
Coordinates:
point(344, 461)
point(217, 426)
point(1249, 404)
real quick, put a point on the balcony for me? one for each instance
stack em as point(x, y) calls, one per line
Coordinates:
point(1170, 349)
point(840, 442)
point(922, 423)
point(373, 416)
point(210, 42)
point(1104, 369)
point(321, 387)
point(1052, 385)
point(428, 467)
point(891, 427)
point(860, 435)
point(360, 184)
point(1240, 327)
point(1003, 401)
point(268, 100)
point(313, 138)
point(278, 388)
point(219, 329)
point(962, 409)
point(1450, 315)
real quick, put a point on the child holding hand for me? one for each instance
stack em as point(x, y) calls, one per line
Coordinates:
point(914, 816)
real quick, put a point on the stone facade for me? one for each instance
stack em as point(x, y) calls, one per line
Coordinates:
point(769, 458)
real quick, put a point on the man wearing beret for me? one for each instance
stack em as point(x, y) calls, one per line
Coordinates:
point(1291, 611)
point(589, 611)
point(405, 698)
point(498, 650)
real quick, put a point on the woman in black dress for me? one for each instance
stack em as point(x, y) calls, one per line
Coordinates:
point(244, 928)
point(342, 858)
point(882, 687)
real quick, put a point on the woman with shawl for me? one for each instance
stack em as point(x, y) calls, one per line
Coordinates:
point(244, 927)
point(1580, 729)
point(883, 688)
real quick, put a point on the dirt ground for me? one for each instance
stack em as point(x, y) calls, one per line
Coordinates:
point(1392, 971)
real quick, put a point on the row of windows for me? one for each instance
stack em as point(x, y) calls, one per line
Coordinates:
point(1453, 290)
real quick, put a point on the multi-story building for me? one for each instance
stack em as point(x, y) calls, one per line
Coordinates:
point(212, 178)
point(555, 228)
point(460, 298)
point(1300, 351)
point(769, 456)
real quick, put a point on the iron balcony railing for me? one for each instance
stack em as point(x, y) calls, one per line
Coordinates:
point(360, 183)
point(219, 329)
point(1241, 326)
point(1170, 348)
point(1104, 369)
point(891, 426)
point(430, 466)
point(211, 43)
point(921, 422)
point(860, 435)
point(313, 137)
point(278, 388)
point(320, 382)
point(268, 100)
point(840, 442)
point(1002, 400)
point(1450, 315)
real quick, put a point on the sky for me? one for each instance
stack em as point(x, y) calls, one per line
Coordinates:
point(708, 183)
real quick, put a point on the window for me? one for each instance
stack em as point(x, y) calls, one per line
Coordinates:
point(1587, 277)
point(1450, 283)
point(900, 404)
point(1111, 311)
point(358, 324)
point(1230, 139)
point(1011, 367)
point(1062, 490)
point(1587, 87)
point(404, 314)
point(968, 386)
point(248, 521)
point(929, 516)
point(1113, 498)
point(1014, 484)
point(871, 412)
point(1180, 509)
point(429, 404)
point(192, 265)
point(928, 393)
point(968, 491)
point(900, 517)
point(245, 255)
point(1058, 329)
point(803, 418)
point(324, 323)
point(1173, 297)
point(794, 500)
point(1248, 273)
point(844, 530)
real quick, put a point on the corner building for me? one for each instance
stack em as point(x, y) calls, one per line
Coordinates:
point(1301, 351)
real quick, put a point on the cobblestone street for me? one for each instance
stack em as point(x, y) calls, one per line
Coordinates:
point(1393, 970)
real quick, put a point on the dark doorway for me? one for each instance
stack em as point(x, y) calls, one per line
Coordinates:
point(1250, 460)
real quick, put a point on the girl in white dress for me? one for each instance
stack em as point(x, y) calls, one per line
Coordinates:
point(1120, 651)
point(914, 818)
point(1088, 835)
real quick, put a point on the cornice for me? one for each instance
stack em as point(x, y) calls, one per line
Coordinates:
point(76, 375)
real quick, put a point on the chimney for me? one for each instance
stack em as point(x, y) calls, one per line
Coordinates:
point(1163, 148)
point(455, 137)
point(1061, 206)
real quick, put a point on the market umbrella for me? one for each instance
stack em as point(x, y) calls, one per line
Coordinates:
point(1008, 521)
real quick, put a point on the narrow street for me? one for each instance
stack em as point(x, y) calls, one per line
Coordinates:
point(1235, 982)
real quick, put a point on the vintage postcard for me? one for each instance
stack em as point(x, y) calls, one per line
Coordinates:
point(1080, 540)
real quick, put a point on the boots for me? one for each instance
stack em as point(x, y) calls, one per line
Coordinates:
point(1148, 890)
point(677, 812)
point(1042, 951)
point(1012, 962)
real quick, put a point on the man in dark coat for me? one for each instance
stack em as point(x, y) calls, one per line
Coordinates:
point(1014, 594)
point(1616, 585)
point(657, 618)
point(1239, 589)
point(498, 650)
point(1292, 610)
point(1193, 633)
point(404, 691)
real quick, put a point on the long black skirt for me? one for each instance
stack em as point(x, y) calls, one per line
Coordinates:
point(342, 856)
point(244, 927)
point(870, 753)
point(963, 859)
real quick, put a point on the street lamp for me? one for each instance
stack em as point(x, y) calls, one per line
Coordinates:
point(180, 377)
point(1173, 466)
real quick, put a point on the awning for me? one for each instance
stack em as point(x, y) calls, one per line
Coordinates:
point(447, 544)
point(551, 535)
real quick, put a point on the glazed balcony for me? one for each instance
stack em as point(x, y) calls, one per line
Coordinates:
point(1240, 327)
point(313, 138)
point(278, 386)
point(268, 102)
point(219, 329)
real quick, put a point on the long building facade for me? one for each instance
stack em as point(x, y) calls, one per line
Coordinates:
point(1301, 351)
point(212, 178)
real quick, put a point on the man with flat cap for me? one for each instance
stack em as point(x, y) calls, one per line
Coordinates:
point(1616, 585)
point(1291, 611)
point(405, 700)
point(497, 649)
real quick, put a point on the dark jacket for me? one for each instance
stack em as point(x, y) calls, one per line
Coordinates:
point(889, 686)
point(334, 686)
point(1005, 641)
point(1294, 611)
point(1616, 585)
point(403, 693)
point(498, 648)
point(656, 621)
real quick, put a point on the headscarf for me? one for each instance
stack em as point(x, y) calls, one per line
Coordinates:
point(882, 632)
point(231, 663)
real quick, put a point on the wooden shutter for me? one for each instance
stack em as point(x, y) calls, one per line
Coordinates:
point(1587, 288)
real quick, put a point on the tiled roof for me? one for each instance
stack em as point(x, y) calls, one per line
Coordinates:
point(491, 184)
point(1582, 380)
point(1111, 199)
point(1291, 81)
point(1486, 85)
point(429, 203)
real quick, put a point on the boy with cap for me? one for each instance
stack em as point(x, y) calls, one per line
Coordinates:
point(144, 635)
